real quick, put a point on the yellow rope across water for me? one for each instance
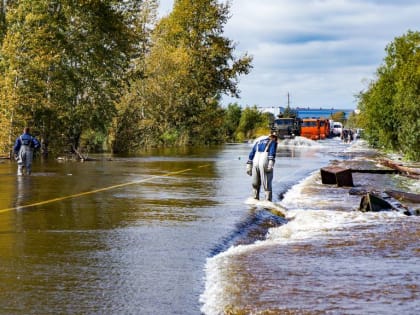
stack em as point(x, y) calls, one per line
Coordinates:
point(95, 191)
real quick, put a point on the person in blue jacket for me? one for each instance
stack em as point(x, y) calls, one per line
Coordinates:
point(24, 148)
point(260, 165)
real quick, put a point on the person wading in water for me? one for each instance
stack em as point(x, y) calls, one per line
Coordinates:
point(24, 148)
point(260, 165)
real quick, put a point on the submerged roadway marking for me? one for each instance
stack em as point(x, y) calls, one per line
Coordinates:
point(96, 190)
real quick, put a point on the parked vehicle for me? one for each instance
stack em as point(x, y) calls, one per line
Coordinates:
point(310, 128)
point(337, 129)
point(331, 123)
point(324, 128)
point(286, 128)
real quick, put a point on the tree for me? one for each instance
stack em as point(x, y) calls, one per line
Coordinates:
point(25, 65)
point(353, 121)
point(96, 52)
point(251, 119)
point(231, 121)
point(189, 67)
point(64, 63)
point(390, 105)
point(288, 113)
point(339, 116)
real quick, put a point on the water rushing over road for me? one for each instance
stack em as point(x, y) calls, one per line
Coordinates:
point(173, 232)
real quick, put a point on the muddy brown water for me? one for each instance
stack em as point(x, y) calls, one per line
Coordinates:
point(172, 232)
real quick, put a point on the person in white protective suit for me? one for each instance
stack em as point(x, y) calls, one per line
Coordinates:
point(260, 165)
point(24, 148)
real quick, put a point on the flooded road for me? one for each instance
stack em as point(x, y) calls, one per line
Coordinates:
point(174, 232)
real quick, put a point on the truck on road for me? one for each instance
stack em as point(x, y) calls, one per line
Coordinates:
point(286, 128)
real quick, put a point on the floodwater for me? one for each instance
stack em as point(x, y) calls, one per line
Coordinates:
point(175, 232)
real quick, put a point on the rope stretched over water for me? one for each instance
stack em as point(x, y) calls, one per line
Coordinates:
point(96, 190)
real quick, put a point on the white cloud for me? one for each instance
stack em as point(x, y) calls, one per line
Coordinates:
point(320, 51)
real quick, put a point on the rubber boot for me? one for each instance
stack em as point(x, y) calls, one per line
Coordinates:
point(268, 195)
point(256, 194)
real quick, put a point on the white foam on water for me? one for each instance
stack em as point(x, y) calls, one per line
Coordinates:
point(300, 142)
point(358, 145)
point(296, 142)
point(310, 218)
point(310, 194)
point(265, 204)
point(315, 212)
point(304, 226)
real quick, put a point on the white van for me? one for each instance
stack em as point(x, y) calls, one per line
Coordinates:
point(337, 129)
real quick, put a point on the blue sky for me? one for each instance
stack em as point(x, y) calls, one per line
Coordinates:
point(321, 52)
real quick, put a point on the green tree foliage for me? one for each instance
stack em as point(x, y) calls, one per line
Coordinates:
point(25, 65)
point(253, 123)
point(389, 107)
point(84, 72)
point(288, 113)
point(63, 65)
point(353, 121)
point(232, 115)
point(339, 116)
point(189, 67)
point(131, 130)
point(3, 7)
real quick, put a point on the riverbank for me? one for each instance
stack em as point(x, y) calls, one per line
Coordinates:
point(369, 168)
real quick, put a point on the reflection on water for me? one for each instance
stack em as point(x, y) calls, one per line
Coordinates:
point(131, 235)
point(23, 191)
point(136, 247)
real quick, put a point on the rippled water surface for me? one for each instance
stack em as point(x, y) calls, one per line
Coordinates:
point(174, 232)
